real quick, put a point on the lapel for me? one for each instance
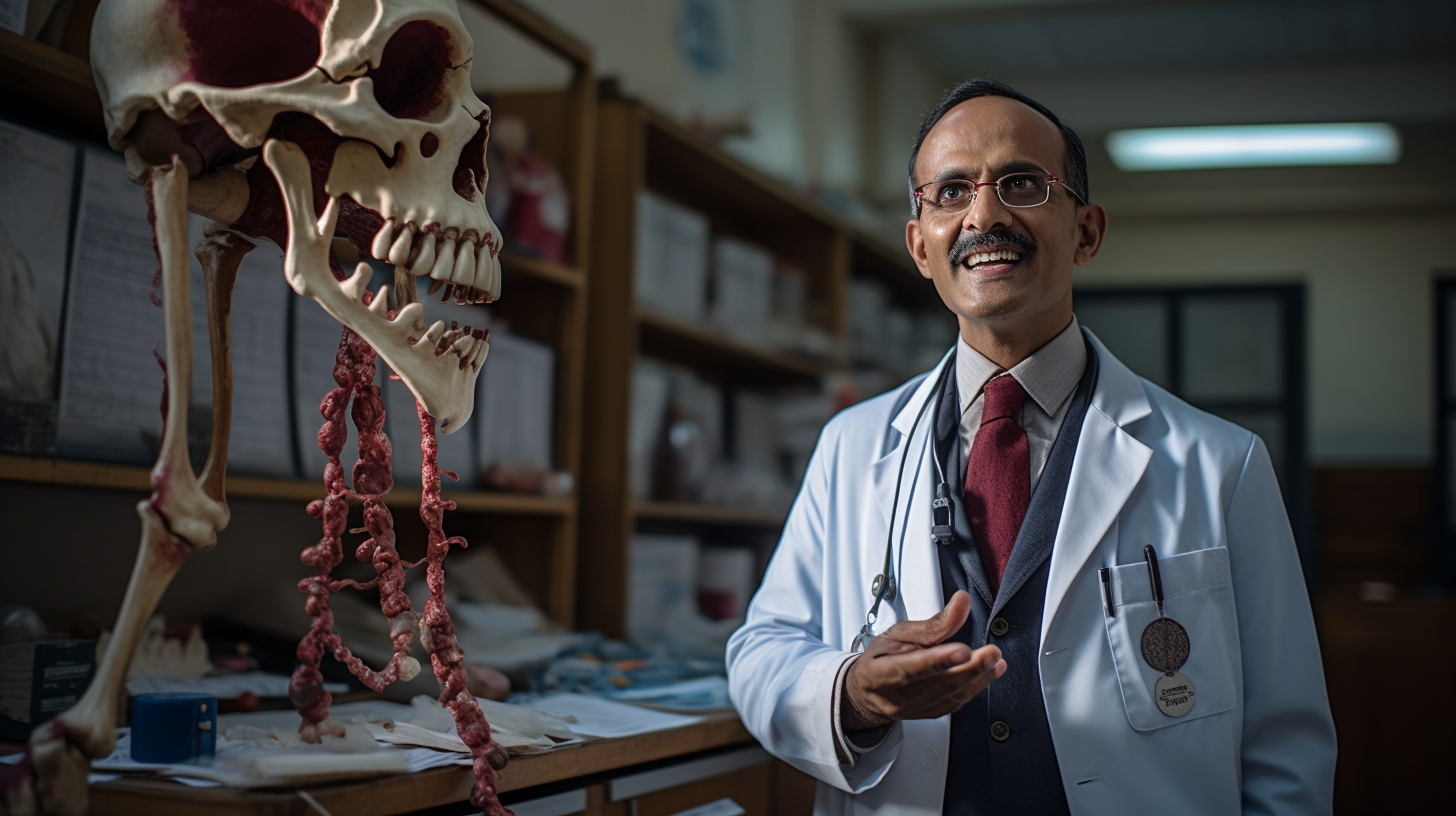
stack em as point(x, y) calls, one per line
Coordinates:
point(917, 572)
point(1108, 466)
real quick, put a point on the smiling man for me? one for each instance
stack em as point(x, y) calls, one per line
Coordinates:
point(1030, 581)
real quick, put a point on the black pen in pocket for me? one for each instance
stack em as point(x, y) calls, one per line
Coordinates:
point(1105, 574)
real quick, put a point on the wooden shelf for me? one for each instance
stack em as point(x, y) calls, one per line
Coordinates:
point(48, 85)
point(535, 269)
point(681, 342)
point(417, 791)
point(126, 477)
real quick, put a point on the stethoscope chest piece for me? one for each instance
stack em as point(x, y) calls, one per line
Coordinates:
point(883, 587)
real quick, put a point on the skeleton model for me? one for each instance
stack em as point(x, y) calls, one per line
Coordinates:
point(300, 122)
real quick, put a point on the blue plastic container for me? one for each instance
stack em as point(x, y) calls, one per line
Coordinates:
point(175, 727)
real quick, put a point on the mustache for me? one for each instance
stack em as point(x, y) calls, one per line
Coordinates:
point(969, 243)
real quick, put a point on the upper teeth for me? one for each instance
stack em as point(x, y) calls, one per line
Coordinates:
point(471, 268)
point(987, 257)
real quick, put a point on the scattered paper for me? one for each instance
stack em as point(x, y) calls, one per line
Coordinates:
point(605, 719)
point(696, 696)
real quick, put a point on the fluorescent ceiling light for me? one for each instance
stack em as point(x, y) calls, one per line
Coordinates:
point(1195, 148)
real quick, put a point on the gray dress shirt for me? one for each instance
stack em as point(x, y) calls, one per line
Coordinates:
point(1049, 375)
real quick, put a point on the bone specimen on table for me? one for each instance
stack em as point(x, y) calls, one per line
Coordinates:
point(160, 656)
point(300, 122)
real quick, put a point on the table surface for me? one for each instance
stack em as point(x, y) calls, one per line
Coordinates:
point(402, 793)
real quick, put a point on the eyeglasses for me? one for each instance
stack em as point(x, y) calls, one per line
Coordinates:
point(1018, 190)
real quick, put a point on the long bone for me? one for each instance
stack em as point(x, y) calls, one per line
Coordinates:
point(221, 253)
point(179, 516)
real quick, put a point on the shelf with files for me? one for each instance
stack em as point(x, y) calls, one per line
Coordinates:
point(677, 341)
point(913, 327)
point(543, 299)
point(644, 156)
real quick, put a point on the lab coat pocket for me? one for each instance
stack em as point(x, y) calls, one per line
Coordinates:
point(1198, 595)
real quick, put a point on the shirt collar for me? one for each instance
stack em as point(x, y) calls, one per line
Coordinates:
point(1049, 375)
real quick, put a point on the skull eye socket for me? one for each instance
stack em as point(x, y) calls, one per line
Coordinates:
point(410, 80)
point(252, 42)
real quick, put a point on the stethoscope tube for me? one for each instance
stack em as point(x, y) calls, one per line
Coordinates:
point(883, 585)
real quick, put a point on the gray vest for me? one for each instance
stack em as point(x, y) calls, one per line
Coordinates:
point(1001, 755)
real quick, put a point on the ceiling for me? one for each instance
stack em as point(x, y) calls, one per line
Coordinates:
point(1106, 64)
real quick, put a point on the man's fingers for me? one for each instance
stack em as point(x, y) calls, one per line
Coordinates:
point(891, 668)
point(937, 693)
point(938, 627)
point(903, 668)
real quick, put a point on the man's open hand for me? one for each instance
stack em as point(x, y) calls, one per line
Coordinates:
point(911, 673)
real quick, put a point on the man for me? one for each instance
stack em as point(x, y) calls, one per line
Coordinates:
point(1037, 659)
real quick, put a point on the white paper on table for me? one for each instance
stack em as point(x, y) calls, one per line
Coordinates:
point(423, 759)
point(699, 694)
point(598, 717)
point(243, 764)
point(36, 174)
point(111, 385)
point(261, 439)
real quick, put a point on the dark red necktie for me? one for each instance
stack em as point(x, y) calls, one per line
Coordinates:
point(998, 477)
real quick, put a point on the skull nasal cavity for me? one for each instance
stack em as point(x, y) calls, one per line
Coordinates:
point(410, 80)
point(248, 42)
point(469, 179)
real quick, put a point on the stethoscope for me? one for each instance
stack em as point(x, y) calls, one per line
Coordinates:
point(883, 585)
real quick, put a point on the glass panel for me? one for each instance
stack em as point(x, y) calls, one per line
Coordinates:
point(1269, 425)
point(1232, 347)
point(1134, 329)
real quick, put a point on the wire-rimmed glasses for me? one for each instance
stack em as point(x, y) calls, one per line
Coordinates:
point(1016, 190)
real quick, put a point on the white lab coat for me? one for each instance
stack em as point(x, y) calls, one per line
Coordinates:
point(1149, 469)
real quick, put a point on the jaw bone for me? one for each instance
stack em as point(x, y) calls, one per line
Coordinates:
point(443, 380)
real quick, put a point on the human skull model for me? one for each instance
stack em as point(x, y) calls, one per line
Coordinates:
point(373, 134)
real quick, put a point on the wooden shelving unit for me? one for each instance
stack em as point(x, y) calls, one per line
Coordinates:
point(541, 299)
point(67, 473)
point(639, 149)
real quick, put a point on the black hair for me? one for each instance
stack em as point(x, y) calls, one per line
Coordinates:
point(1076, 155)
